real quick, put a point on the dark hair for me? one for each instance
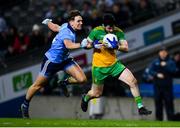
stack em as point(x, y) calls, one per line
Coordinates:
point(108, 19)
point(176, 53)
point(72, 14)
point(163, 48)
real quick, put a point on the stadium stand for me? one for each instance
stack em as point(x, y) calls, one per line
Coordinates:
point(33, 11)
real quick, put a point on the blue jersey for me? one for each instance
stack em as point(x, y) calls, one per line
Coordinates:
point(58, 52)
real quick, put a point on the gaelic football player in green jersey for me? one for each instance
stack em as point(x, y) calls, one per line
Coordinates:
point(105, 63)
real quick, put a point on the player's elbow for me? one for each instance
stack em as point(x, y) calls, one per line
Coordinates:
point(53, 27)
point(126, 50)
point(123, 48)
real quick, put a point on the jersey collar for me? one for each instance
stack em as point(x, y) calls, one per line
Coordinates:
point(69, 26)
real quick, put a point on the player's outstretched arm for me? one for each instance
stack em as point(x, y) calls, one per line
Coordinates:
point(71, 45)
point(51, 25)
point(123, 46)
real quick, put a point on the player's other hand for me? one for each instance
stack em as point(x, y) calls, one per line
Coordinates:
point(46, 21)
point(84, 43)
point(97, 44)
point(112, 43)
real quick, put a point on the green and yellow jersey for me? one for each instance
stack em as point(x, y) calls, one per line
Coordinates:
point(104, 57)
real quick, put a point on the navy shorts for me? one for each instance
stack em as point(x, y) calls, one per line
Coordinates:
point(48, 69)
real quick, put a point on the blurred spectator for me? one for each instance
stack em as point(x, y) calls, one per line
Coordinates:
point(3, 25)
point(176, 58)
point(161, 70)
point(11, 37)
point(102, 7)
point(94, 4)
point(52, 12)
point(109, 3)
point(146, 77)
point(2, 63)
point(24, 4)
point(86, 13)
point(68, 6)
point(37, 38)
point(131, 5)
point(20, 44)
point(3, 48)
point(95, 19)
point(143, 12)
point(3, 37)
point(170, 5)
point(58, 16)
point(3, 43)
point(8, 4)
point(177, 3)
point(122, 16)
point(3, 40)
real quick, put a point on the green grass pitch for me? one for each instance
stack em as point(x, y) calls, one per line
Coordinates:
point(15, 122)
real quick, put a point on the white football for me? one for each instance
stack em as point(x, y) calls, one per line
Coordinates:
point(110, 36)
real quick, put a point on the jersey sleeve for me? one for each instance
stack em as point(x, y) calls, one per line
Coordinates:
point(65, 34)
point(120, 35)
point(91, 36)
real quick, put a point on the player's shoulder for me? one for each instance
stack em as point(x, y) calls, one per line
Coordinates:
point(99, 28)
point(118, 29)
point(64, 28)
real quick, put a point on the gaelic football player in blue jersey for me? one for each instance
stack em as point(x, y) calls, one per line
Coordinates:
point(57, 57)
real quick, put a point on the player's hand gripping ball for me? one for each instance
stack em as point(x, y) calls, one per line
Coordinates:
point(110, 41)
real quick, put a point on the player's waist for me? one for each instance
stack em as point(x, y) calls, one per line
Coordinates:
point(56, 58)
point(103, 62)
